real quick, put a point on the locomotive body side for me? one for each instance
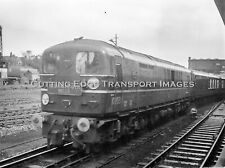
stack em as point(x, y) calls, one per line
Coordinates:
point(167, 82)
point(104, 109)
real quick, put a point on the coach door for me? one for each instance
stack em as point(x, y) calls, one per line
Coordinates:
point(117, 99)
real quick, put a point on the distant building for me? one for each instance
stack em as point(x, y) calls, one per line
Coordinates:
point(216, 66)
point(23, 74)
point(13, 60)
point(31, 73)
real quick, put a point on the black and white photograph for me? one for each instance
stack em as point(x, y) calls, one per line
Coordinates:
point(112, 84)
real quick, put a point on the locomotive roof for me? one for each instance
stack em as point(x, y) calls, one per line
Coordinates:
point(206, 74)
point(133, 55)
point(144, 58)
point(86, 43)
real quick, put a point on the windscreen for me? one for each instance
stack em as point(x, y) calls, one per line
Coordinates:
point(50, 63)
point(89, 63)
point(83, 62)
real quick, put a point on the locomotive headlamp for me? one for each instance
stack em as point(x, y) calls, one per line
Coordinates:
point(45, 99)
point(83, 124)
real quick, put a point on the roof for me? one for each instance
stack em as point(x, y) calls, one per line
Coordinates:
point(207, 59)
point(221, 7)
point(116, 50)
point(143, 58)
point(201, 73)
point(88, 43)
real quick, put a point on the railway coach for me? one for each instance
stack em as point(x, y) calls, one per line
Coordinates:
point(95, 92)
point(207, 85)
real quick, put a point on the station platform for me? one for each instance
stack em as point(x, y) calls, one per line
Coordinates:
point(220, 111)
point(221, 160)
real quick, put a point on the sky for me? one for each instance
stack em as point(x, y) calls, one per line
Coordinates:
point(168, 29)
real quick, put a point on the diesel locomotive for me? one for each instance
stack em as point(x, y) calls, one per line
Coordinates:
point(94, 92)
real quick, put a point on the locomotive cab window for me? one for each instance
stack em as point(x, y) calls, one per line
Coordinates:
point(50, 63)
point(90, 63)
point(49, 68)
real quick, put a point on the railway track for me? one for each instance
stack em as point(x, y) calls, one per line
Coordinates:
point(123, 151)
point(65, 157)
point(57, 157)
point(194, 147)
point(22, 143)
point(118, 151)
point(112, 158)
point(44, 157)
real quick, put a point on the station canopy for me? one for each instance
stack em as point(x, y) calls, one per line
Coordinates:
point(221, 7)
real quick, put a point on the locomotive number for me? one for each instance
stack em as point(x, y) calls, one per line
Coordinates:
point(116, 100)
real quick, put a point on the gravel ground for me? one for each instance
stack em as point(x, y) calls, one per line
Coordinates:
point(18, 143)
point(18, 96)
point(11, 97)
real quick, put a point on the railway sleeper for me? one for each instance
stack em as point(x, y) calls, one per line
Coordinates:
point(222, 145)
point(196, 146)
point(210, 127)
point(156, 154)
point(180, 134)
point(197, 138)
point(165, 146)
point(203, 136)
point(184, 158)
point(193, 149)
point(200, 143)
point(142, 164)
point(180, 163)
point(217, 156)
point(177, 137)
point(166, 166)
point(206, 132)
point(210, 131)
point(190, 153)
point(148, 159)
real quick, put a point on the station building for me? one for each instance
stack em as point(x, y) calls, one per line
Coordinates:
point(216, 66)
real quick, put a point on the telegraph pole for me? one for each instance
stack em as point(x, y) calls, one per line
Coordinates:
point(116, 38)
point(1, 49)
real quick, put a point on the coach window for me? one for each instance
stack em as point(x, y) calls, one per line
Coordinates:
point(210, 83)
point(168, 74)
point(172, 75)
